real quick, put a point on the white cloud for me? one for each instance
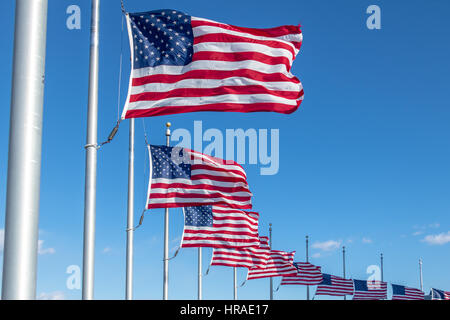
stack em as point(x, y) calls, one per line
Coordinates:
point(56, 295)
point(329, 245)
point(107, 250)
point(437, 239)
point(41, 249)
point(316, 255)
point(367, 240)
point(417, 233)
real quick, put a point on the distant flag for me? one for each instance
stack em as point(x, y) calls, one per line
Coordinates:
point(369, 290)
point(243, 257)
point(405, 293)
point(181, 177)
point(219, 227)
point(307, 274)
point(437, 294)
point(186, 64)
point(279, 264)
point(334, 286)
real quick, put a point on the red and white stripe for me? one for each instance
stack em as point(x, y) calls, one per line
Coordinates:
point(377, 291)
point(232, 69)
point(410, 294)
point(213, 181)
point(307, 274)
point(339, 287)
point(243, 257)
point(231, 228)
point(278, 264)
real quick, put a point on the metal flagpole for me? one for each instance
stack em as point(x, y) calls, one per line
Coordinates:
point(381, 261)
point(130, 216)
point(421, 277)
point(235, 283)
point(91, 159)
point(307, 260)
point(166, 235)
point(199, 273)
point(25, 148)
point(270, 243)
point(343, 265)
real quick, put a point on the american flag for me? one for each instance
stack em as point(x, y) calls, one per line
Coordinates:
point(181, 177)
point(187, 64)
point(243, 257)
point(278, 264)
point(405, 293)
point(334, 286)
point(307, 274)
point(218, 227)
point(369, 290)
point(437, 294)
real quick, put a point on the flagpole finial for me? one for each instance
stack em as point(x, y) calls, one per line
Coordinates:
point(168, 124)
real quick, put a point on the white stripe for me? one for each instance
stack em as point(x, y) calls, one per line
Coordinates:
point(194, 192)
point(226, 98)
point(199, 200)
point(189, 182)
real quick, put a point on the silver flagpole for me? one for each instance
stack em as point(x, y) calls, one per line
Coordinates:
point(199, 273)
point(270, 242)
point(343, 265)
point(307, 260)
point(25, 148)
point(421, 277)
point(91, 159)
point(235, 283)
point(130, 216)
point(381, 261)
point(166, 235)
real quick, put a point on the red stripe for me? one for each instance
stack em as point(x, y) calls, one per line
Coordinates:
point(194, 203)
point(216, 178)
point(210, 92)
point(226, 38)
point(241, 56)
point(225, 107)
point(219, 235)
point(198, 187)
point(218, 169)
point(214, 75)
point(196, 196)
point(208, 245)
point(266, 32)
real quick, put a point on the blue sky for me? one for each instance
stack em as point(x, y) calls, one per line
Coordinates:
point(363, 162)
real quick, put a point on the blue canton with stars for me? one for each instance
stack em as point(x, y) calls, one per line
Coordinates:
point(170, 163)
point(161, 37)
point(201, 216)
point(326, 279)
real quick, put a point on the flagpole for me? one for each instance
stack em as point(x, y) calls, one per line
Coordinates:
point(381, 262)
point(421, 277)
point(235, 283)
point(91, 159)
point(199, 273)
point(307, 260)
point(25, 151)
point(343, 265)
point(270, 243)
point(130, 217)
point(166, 235)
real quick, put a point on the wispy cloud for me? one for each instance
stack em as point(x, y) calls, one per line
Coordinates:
point(56, 295)
point(329, 245)
point(316, 255)
point(107, 250)
point(437, 239)
point(42, 250)
point(367, 240)
point(417, 233)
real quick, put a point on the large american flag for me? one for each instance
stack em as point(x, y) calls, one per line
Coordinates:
point(243, 257)
point(405, 293)
point(187, 64)
point(334, 286)
point(369, 290)
point(181, 177)
point(307, 274)
point(278, 264)
point(218, 227)
point(437, 294)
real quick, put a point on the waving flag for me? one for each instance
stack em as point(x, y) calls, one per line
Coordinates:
point(406, 293)
point(218, 227)
point(307, 274)
point(181, 178)
point(187, 64)
point(369, 290)
point(243, 257)
point(278, 264)
point(439, 294)
point(334, 286)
